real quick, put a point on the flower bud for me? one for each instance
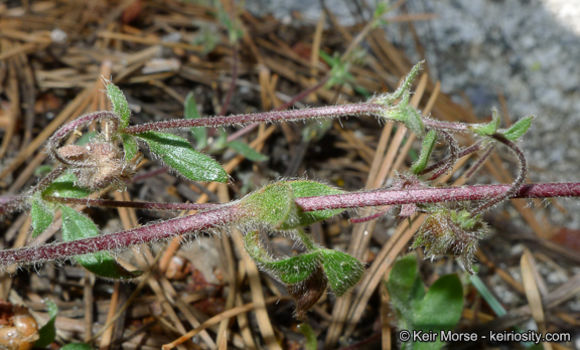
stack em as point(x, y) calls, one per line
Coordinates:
point(450, 232)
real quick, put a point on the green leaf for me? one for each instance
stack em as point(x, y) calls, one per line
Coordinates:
point(441, 307)
point(406, 114)
point(290, 270)
point(518, 129)
point(77, 346)
point(339, 70)
point(274, 204)
point(294, 269)
point(342, 270)
point(86, 138)
point(489, 128)
point(64, 186)
point(437, 310)
point(270, 205)
point(47, 333)
point(119, 103)
point(42, 170)
point(191, 112)
point(245, 150)
point(380, 10)
point(426, 150)
point(77, 226)
point(308, 333)
point(220, 141)
point(176, 152)
point(405, 286)
point(305, 188)
point(41, 216)
point(404, 87)
point(130, 146)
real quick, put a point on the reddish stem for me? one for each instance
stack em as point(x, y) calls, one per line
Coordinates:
point(272, 116)
point(128, 204)
point(435, 195)
point(113, 241)
point(229, 214)
point(295, 99)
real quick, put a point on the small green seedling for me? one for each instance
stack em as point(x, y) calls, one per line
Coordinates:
point(430, 312)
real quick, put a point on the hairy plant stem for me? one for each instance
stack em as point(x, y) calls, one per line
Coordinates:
point(453, 154)
point(114, 241)
point(128, 204)
point(368, 109)
point(435, 195)
point(231, 213)
point(462, 153)
point(296, 98)
point(518, 181)
point(272, 116)
point(475, 168)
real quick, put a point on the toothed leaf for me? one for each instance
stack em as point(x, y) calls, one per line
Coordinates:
point(119, 103)
point(176, 152)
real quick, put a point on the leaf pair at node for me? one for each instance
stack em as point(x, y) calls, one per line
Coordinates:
point(307, 275)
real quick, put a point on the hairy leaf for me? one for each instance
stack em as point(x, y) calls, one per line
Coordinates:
point(487, 129)
point(176, 152)
point(342, 270)
point(77, 226)
point(306, 188)
point(426, 150)
point(130, 146)
point(270, 205)
point(518, 129)
point(41, 216)
point(64, 186)
point(289, 270)
point(404, 283)
point(119, 103)
point(437, 310)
